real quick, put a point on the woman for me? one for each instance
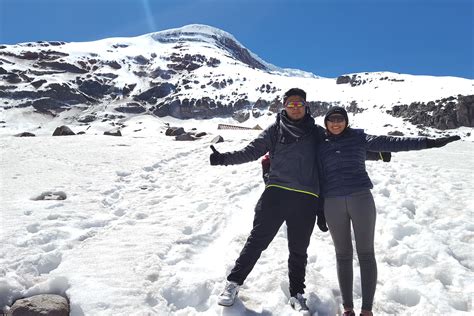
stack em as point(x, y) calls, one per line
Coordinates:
point(347, 198)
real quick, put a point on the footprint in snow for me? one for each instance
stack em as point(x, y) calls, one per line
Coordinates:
point(202, 206)
point(123, 173)
point(141, 216)
point(188, 230)
point(33, 228)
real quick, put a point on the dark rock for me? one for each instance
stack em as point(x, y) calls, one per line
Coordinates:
point(48, 106)
point(44, 305)
point(241, 116)
point(63, 131)
point(62, 66)
point(201, 134)
point(38, 83)
point(87, 118)
point(81, 133)
point(395, 133)
point(276, 105)
point(12, 78)
point(141, 60)
point(256, 113)
point(128, 88)
point(107, 75)
point(158, 92)
point(185, 137)
point(261, 104)
point(442, 114)
point(465, 111)
point(343, 79)
point(49, 195)
point(161, 110)
point(217, 139)
point(353, 108)
point(94, 88)
point(113, 64)
point(25, 134)
point(3, 71)
point(113, 133)
point(174, 131)
point(238, 52)
point(163, 74)
point(134, 108)
point(120, 46)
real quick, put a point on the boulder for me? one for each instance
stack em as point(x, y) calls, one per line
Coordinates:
point(113, 133)
point(50, 195)
point(63, 131)
point(41, 305)
point(25, 134)
point(185, 137)
point(241, 116)
point(174, 131)
point(201, 134)
point(217, 139)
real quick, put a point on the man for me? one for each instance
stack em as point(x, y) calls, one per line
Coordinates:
point(291, 194)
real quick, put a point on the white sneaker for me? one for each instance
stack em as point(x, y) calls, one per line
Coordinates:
point(298, 303)
point(228, 295)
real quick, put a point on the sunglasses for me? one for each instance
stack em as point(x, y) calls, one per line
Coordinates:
point(295, 104)
point(336, 119)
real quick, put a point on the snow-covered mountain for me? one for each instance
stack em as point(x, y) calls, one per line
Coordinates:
point(143, 225)
point(198, 71)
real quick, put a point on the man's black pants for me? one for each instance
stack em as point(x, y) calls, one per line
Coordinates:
point(274, 207)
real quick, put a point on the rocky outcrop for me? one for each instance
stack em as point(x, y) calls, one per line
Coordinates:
point(447, 113)
point(198, 108)
point(239, 53)
point(190, 62)
point(152, 95)
point(241, 116)
point(361, 79)
point(132, 107)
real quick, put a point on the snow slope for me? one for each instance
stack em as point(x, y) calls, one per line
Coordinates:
point(150, 228)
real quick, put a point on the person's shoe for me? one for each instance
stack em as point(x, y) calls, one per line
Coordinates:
point(228, 295)
point(298, 303)
point(349, 313)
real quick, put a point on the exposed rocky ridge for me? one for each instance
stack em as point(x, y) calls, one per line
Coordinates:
point(180, 82)
point(361, 79)
point(447, 113)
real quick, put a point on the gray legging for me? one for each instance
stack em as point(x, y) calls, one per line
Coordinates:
point(360, 209)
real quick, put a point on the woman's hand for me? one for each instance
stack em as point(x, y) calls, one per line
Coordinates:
point(440, 142)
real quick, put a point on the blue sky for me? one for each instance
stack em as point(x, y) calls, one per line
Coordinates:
point(325, 37)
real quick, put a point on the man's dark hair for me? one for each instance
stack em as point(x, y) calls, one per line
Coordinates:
point(294, 91)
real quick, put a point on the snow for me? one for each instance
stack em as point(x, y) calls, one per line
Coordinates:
point(148, 227)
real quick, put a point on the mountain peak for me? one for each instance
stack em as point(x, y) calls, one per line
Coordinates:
point(214, 36)
point(192, 31)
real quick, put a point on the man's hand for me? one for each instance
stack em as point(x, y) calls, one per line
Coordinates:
point(386, 156)
point(216, 158)
point(440, 142)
